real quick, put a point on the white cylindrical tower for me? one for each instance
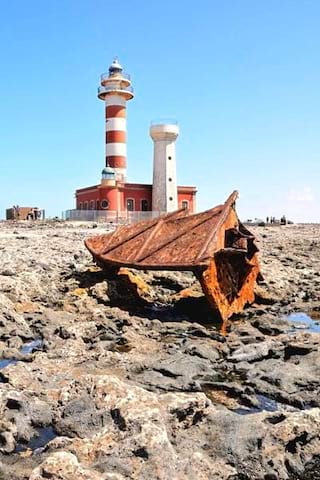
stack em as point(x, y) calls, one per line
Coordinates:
point(115, 90)
point(164, 188)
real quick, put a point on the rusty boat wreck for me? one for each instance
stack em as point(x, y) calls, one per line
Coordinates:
point(214, 245)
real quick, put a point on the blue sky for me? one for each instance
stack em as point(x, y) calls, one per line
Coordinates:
point(241, 77)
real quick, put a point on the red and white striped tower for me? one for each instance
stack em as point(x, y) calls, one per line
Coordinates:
point(115, 90)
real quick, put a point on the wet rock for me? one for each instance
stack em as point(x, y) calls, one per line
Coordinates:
point(12, 353)
point(296, 383)
point(254, 352)
point(179, 365)
point(156, 381)
point(296, 348)
point(271, 325)
point(203, 350)
point(21, 414)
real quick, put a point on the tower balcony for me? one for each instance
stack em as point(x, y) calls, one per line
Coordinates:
point(164, 130)
point(124, 91)
point(125, 79)
point(106, 76)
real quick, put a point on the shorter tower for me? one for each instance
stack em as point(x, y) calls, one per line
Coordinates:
point(164, 188)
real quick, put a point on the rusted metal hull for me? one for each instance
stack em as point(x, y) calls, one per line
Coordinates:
point(213, 244)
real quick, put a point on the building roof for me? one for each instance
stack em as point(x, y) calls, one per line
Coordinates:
point(130, 186)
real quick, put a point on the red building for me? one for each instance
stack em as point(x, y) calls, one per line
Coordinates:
point(134, 197)
point(114, 193)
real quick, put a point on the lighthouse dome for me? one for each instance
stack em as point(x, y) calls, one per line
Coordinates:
point(115, 67)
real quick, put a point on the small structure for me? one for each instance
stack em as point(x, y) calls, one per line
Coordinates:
point(213, 244)
point(25, 213)
point(114, 194)
point(164, 190)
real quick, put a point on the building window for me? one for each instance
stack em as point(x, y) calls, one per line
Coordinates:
point(144, 205)
point(85, 205)
point(170, 198)
point(130, 204)
point(170, 179)
point(169, 158)
point(80, 206)
point(185, 204)
point(97, 205)
point(91, 204)
point(104, 204)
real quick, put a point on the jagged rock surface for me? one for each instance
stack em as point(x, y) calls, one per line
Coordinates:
point(96, 386)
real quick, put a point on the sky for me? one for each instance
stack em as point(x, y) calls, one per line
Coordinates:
point(241, 77)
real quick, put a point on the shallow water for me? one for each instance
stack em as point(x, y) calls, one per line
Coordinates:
point(31, 346)
point(265, 404)
point(6, 362)
point(26, 349)
point(304, 322)
point(45, 435)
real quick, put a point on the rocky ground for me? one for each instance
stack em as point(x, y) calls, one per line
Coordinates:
point(96, 386)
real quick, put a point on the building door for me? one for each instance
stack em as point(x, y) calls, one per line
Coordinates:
point(130, 204)
point(144, 205)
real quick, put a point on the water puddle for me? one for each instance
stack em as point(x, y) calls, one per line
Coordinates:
point(31, 346)
point(159, 307)
point(221, 397)
point(159, 311)
point(305, 322)
point(265, 404)
point(26, 349)
point(6, 362)
point(45, 435)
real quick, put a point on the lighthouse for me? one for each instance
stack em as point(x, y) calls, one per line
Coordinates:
point(115, 91)
point(115, 199)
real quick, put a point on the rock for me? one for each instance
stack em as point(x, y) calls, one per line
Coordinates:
point(297, 348)
point(92, 419)
point(11, 322)
point(295, 383)
point(251, 352)
point(271, 325)
point(147, 391)
point(204, 350)
point(201, 466)
point(180, 365)
point(64, 466)
point(7, 436)
point(137, 438)
point(262, 296)
point(21, 415)
point(100, 292)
